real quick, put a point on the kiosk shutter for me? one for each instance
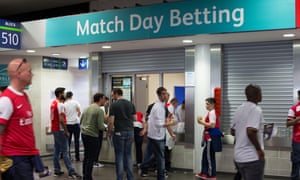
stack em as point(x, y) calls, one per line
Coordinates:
point(143, 61)
point(267, 64)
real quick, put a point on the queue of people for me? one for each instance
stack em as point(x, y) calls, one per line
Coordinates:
point(20, 160)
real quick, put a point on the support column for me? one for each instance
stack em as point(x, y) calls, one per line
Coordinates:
point(202, 91)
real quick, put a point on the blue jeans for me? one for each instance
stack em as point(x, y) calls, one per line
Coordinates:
point(91, 146)
point(158, 149)
point(123, 153)
point(61, 146)
point(149, 159)
point(74, 129)
point(22, 168)
point(295, 158)
point(38, 163)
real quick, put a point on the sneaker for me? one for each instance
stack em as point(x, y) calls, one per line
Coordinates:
point(212, 177)
point(202, 176)
point(98, 165)
point(47, 172)
point(75, 176)
point(58, 173)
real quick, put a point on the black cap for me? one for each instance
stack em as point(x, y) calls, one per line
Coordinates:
point(298, 93)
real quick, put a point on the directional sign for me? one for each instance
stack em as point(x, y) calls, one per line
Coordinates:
point(55, 63)
point(83, 63)
point(10, 34)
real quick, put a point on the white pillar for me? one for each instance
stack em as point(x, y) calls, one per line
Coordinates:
point(202, 91)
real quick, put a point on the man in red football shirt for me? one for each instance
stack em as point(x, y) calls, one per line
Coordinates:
point(60, 134)
point(16, 122)
point(293, 120)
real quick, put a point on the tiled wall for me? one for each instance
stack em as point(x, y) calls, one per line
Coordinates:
point(277, 161)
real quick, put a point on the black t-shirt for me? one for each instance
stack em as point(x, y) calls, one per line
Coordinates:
point(123, 110)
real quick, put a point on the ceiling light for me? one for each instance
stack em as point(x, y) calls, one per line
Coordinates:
point(289, 35)
point(55, 54)
point(187, 41)
point(106, 47)
point(30, 51)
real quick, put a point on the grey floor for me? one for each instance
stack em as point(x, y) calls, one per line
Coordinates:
point(108, 173)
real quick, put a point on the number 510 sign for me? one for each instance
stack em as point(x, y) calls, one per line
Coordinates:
point(10, 34)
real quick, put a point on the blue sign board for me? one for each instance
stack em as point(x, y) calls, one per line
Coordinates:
point(4, 79)
point(83, 63)
point(55, 63)
point(10, 34)
point(171, 19)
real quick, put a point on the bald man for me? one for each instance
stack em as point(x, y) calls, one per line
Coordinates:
point(16, 122)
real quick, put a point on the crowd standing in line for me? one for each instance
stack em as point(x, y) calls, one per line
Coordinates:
point(15, 108)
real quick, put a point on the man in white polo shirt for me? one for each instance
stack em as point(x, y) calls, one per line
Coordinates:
point(157, 124)
point(248, 129)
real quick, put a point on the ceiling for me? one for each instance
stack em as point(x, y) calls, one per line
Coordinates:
point(8, 7)
point(14, 7)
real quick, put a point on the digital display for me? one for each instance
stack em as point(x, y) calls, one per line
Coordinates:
point(124, 83)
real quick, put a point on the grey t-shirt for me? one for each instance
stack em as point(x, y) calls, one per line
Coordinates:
point(123, 111)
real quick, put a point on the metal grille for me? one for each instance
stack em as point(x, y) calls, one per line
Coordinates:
point(267, 64)
point(161, 60)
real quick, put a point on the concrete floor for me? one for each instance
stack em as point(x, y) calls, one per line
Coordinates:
point(108, 173)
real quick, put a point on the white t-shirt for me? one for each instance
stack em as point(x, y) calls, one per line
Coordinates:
point(156, 121)
point(71, 111)
point(247, 115)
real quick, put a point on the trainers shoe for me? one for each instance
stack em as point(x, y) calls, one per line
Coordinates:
point(47, 172)
point(98, 165)
point(202, 176)
point(75, 176)
point(166, 174)
point(58, 173)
